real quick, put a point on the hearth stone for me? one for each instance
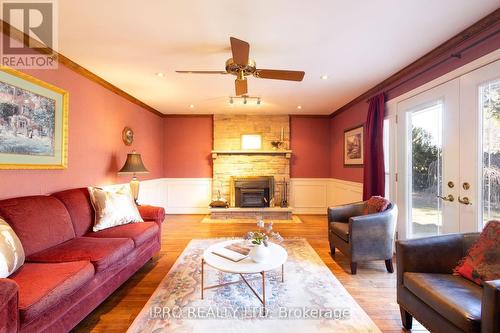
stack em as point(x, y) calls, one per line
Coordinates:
point(267, 213)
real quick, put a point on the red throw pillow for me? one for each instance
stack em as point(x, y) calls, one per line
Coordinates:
point(375, 204)
point(482, 262)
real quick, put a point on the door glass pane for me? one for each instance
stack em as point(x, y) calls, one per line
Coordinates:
point(426, 170)
point(386, 158)
point(490, 104)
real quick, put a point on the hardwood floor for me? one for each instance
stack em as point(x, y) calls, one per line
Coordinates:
point(373, 288)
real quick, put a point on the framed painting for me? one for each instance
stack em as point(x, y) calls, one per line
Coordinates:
point(33, 123)
point(353, 146)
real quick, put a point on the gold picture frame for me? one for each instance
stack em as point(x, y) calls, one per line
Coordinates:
point(33, 122)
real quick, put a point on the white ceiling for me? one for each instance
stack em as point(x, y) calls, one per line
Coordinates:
point(357, 43)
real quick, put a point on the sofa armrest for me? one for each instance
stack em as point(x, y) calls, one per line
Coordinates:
point(344, 212)
point(372, 236)
point(9, 312)
point(152, 213)
point(490, 307)
point(437, 254)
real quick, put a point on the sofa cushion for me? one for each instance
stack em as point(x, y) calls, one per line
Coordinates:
point(102, 252)
point(43, 285)
point(482, 262)
point(375, 204)
point(77, 202)
point(138, 232)
point(454, 297)
point(11, 250)
point(340, 229)
point(40, 222)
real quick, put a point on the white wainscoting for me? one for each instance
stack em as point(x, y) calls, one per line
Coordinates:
point(193, 195)
point(178, 195)
point(315, 195)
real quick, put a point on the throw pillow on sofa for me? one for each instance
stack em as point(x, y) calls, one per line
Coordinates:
point(482, 262)
point(11, 250)
point(375, 204)
point(113, 207)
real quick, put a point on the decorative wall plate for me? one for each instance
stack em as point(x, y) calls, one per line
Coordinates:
point(128, 136)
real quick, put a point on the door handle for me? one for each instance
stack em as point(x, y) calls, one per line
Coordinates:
point(464, 201)
point(449, 198)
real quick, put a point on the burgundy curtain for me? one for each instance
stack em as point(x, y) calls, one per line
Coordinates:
point(374, 171)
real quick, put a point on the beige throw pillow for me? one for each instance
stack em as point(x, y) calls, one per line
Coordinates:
point(11, 250)
point(113, 207)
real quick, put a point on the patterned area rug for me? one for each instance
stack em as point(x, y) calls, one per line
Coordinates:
point(207, 219)
point(310, 300)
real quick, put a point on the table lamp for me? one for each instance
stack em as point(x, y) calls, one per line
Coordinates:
point(133, 165)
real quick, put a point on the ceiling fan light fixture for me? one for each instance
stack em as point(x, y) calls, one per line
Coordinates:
point(324, 77)
point(299, 107)
point(160, 74)
point(191, 106)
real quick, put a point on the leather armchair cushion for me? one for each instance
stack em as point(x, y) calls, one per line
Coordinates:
point(340, 229)
point(454, 297)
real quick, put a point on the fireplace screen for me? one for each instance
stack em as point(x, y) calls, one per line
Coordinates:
point(253, 191)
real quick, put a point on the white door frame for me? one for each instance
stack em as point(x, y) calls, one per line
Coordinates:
point(391, 112)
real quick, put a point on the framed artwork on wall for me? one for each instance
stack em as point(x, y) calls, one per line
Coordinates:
point(33, 123)
point(353, 146)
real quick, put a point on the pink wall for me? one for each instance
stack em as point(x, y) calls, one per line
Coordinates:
point(188, 146)
point(310, 143)
point(350, 118)
point(356, 114)
point(97, 117)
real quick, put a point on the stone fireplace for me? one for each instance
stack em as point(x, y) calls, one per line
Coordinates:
point(253, 178)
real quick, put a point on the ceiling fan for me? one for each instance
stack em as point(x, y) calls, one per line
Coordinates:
point(241, 66)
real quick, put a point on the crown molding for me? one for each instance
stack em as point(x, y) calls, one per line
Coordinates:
point(27, 40)
point(449, 46)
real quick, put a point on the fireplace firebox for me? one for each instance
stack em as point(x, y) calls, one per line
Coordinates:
point(252, 191)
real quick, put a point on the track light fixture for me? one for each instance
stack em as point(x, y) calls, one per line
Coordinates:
point(246, 99)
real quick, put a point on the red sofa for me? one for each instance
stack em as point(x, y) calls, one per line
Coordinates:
point(69, 269)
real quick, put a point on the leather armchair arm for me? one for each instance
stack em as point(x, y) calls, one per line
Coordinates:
point(372, 236)
point(344, 212)
point(437, 254)
point(9, 312)
point(490, 307)
point(152, 213)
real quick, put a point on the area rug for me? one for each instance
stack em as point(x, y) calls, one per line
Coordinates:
point(207, 219)
point(310, 300)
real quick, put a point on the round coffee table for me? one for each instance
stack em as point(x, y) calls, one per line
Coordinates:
point(276, 259)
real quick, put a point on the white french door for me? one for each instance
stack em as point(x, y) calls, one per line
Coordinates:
point(449, 155)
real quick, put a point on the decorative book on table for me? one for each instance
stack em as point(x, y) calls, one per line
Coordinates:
point(234, 252)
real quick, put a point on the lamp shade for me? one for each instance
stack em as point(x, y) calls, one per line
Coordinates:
point(133, 164)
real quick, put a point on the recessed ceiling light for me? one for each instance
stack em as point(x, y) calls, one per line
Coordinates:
point(324, 77)
point(299, 107)
point(160, 74)
point(191, 106)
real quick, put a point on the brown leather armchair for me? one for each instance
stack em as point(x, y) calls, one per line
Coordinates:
point(441, 301)
point(362, 237)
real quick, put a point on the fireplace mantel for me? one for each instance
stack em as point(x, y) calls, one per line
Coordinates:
point(286, 153)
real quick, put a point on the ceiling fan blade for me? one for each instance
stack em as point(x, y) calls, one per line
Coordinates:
point(241, 86)
point(240, 50)
point(279, 74)
point(202, 72)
